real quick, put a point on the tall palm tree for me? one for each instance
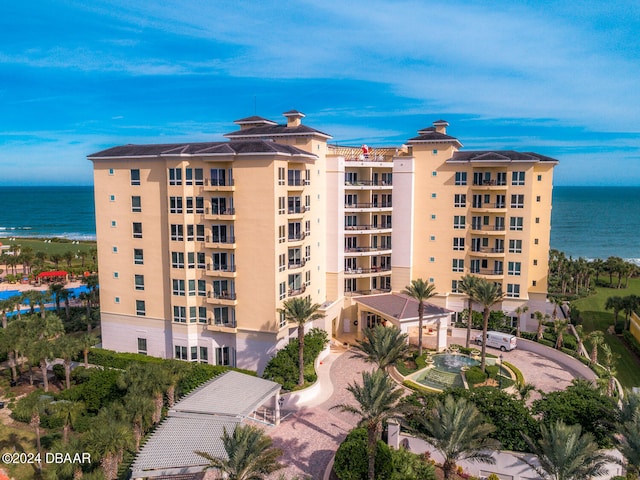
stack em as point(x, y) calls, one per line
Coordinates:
point(40, 347)
point(522, 309)
point(616, 304)
point(140, 409)
point(467, 285)
point(151, 380)
point(87, 341)
point(630, 304)
point(540, 317)
point(107, 441)
point(377, 400)
point(55, 290)
point(596, 338)
point(68, 411)
point(66, 348)
point(300, 310)
point(383, 345)
point(458, 431)
point(487, 294)
point(421, 291)
point(250, 454)
point(560, 327)
point(565, 453)
point(608, 360)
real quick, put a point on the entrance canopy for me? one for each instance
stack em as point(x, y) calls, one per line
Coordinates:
point(54, 274)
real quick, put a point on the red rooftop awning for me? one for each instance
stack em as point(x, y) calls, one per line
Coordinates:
point(57, 273)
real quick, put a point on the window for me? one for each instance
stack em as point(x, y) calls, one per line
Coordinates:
point(194, 354)
point(200, 260)
point(224, 356)
point(135, 176)
point(113, 223)
point(177, 232)
point(136, 204)
point(112, 198)
point(111, 171)
point(535, 262)
point(191, 260)
point(181, 352)
point(137, 230)
point(433, 216)
point(307, 278)
point(281, 206)
point(281, 234)
point(307, 253)
point(432, 238)
point(280, 175)
point(282, 259)
point(175, 204)
point(458, 265)
point(202, 288)
point(200, 233)
point(202, 314)
point(218, 177)
point(535, 241)
point(539, 178)
point(282, 320)
point(537, 219)
point(141, 309)
point(192, 289)
point(294, 178)
point(190, 235)
point(283, 290)
point(458, 243)
point(538, 198)
point(432, 259)
point(142, 346)
point(434, 195)
point(116, 300)
point(459, 222)
point(175, 176)
point(513, 290)
point(454, 286)
point(307, 202)
point(177, 260)
point(517, 201)
point(434, 173)
point(513, 268)
point(179, 314)
point(178, 287)
point(114, 249)
point(460, 200)
point(139, 282)
point(138, 256)
point(461, 178)
point(307, 177)
point(221, 316)
point(435, 151)
point(516, 223)
point(194, 176)
point(199, 204)
point(189, 205)
point(204, 355)
point(517, 178)
point(515, 246)
point(534, 283)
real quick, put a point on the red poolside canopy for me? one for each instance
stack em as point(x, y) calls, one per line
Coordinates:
point(57, 273)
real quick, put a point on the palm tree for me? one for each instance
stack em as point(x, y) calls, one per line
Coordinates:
point(56, 258)
point(68, 257)
point(565, 453)
point(66, 348)
point(383, 345)
point(467, 285)
point(107, 441)
point(87, 341)
point(55, 290)
point(487, 294)
point(522, 309)
point(40, 348)
point(68, 411)
point(250, 454)
point(141, 410)
point(628, 438)
point(377, 400)
point(458, 431)
point(6, 306)
point(560, 327)
point(609, 379)
point(151, 380)
point(540, 317)
point(596, 338)
point(420, 290)
point(629, 304)
point(616, 304)
point(300, 310)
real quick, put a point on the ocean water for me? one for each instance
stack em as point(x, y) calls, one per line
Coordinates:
point(47, 212)
point(596, 222)
point(590, 222)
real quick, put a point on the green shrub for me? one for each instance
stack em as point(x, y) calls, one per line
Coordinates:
point(58, 371)
point(351, 461)
point(528, 335)
point(492, 371)
point(631, 342)
point(109, 358)
point(547, 343)
point(421, 362)
point(410, 466)
point(619, 328)
point(25, 406)
point(475, 375)
point(516, 371)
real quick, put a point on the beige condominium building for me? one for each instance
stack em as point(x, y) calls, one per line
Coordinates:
point(199, 244)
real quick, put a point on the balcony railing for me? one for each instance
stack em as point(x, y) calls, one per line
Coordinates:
point(500, 183)
point(221, 268)
point(487, 250)
point(223, 239)
point(216, 182)
point(222, 323)
point(490, 205)
point(488, 228)
point(298, 183)
point(294, 265)
point(488, 271)
point(365, 183)
point(295, 292)
point(356, 271)
point(368, 205)
point(367, 292)
point(296, 237)
point(367, 227)
point(299, 209)
point(222, 295)
point(220, 211)
point(366, 249)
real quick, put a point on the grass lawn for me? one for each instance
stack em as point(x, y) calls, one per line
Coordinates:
point(57, 246)
point(595, 317)
point(17, 440)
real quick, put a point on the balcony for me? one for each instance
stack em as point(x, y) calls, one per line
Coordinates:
point(221, 270)
point(295, 292)
point(297, 184)
point(490, 185)
point(228, 241)
point(365, 272)
point(296, 265)
point(368, 207)
point(296, 237)
point(487, 252)
point(375, 291)
point(221, 298)
point(228, 326)
point(489, 207)
point(367, 185)
point(383, 228)
point(217, 185)
point(219, 213)
point(489, 229)
point(488, 272)
point(298, 210)
point(364, 251)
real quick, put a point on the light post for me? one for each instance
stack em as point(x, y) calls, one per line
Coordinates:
point(500, 376)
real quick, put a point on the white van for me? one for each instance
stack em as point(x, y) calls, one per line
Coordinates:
point(503, 341)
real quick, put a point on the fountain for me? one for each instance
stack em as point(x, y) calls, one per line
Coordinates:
point(443, 370)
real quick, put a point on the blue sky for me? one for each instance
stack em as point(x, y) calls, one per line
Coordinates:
point(559, 78)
